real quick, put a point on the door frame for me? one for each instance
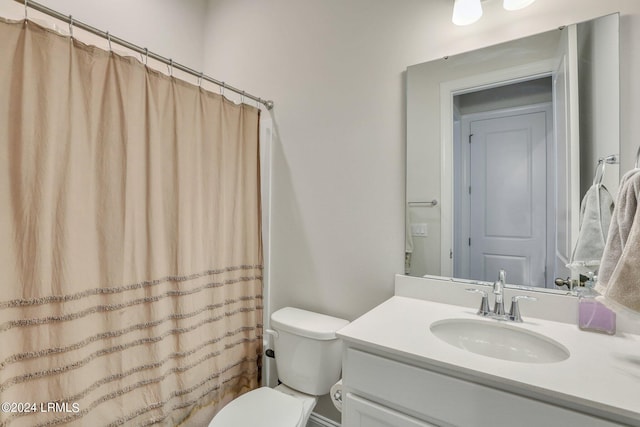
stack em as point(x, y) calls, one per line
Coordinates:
point(462, 250)
point(448, 90)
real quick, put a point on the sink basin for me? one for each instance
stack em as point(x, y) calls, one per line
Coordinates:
point(499, 340)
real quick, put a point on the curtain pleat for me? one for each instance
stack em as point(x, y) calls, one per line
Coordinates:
point(130, 240)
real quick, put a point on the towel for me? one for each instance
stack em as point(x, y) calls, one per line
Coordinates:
point(619, 276)
point(408, 240)
point(595, 218)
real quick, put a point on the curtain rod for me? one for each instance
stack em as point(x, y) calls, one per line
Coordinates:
point(143, 51)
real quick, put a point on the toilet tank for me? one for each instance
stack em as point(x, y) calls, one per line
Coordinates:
point(308, 353)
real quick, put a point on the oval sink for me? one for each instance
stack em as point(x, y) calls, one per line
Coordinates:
point(499, 340)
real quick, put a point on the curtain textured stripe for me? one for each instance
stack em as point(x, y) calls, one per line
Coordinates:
point(132, 253)
point(111, 307)
point(112, 290)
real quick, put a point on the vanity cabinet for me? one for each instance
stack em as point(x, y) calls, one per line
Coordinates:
point(364, 413)
point(383, 390)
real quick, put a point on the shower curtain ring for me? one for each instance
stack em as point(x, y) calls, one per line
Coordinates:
point(109, 40)
point(170, 66)
point(242, 98)
point(26, 5)
point(222, 87)
point(258, 102)
point(146, 56)
point(200, 79)
point(71, 26)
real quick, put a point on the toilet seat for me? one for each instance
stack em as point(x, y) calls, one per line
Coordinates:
point(264, 407)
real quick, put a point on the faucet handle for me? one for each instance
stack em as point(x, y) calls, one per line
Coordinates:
point(484, 304)
point(514, 313)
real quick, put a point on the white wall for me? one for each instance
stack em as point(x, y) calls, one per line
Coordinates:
point(598, 138)
point(335, 71)
point(337, 173)
point(171, 28)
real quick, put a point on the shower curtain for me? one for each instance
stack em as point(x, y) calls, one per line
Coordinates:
point(130, 241)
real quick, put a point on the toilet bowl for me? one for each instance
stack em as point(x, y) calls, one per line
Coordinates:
point(266, 407)
point(308, 358)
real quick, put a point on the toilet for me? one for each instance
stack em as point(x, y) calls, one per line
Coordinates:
point(309, 361)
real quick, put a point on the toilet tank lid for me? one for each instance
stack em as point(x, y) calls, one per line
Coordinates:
point(307, 323)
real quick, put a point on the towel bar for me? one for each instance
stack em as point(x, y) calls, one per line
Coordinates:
point(430, 204)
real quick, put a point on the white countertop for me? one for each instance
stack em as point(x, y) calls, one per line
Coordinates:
point(601, 375)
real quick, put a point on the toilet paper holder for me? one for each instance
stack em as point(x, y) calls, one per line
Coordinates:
point(337, 396)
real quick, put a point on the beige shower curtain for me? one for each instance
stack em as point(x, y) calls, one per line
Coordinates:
point(130, 251)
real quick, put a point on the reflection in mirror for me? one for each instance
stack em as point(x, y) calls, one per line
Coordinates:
point(506, 140)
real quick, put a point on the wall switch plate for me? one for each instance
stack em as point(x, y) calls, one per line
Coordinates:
point(420, 229)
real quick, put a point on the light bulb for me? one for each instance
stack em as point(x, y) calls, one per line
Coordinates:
point(516, 4)
point(466, 12)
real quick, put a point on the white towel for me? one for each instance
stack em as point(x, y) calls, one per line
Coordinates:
point(408, 240)
point(619, 275)
point(595, 218)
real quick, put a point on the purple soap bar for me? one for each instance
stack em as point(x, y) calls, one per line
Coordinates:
point(595, 316)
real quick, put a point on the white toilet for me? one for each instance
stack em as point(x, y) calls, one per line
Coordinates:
point(308, 357)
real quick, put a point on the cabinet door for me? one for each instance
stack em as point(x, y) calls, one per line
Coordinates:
point(359, 412)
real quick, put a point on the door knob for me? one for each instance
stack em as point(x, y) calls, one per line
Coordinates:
point(568, 283)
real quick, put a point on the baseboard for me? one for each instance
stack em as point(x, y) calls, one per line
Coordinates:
point(316, 420)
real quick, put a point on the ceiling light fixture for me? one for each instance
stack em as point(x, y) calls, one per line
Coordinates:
point(466, 12)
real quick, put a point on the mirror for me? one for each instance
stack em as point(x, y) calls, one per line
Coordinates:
point(502, 145)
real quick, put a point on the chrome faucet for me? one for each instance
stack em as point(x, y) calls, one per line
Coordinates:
point(498, 289)
point(498, 312)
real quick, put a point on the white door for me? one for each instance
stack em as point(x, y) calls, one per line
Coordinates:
point(508, 198)
point(566, 130)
